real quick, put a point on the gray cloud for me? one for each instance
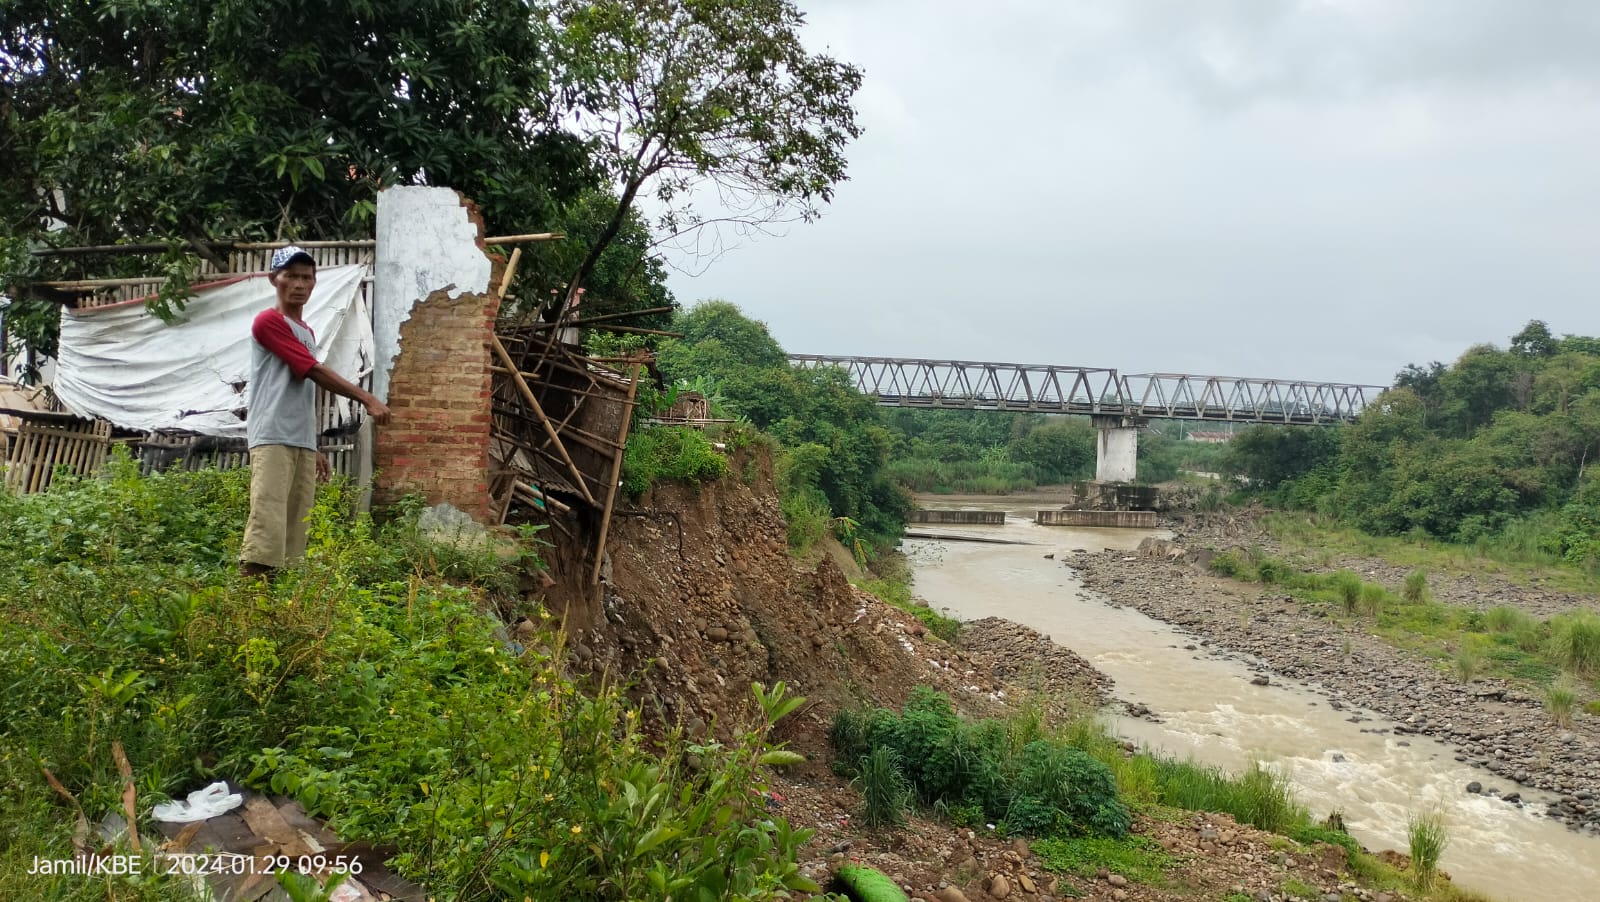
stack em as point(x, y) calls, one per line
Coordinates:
point(1305, 189)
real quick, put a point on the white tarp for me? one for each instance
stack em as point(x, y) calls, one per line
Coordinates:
point(127, 366)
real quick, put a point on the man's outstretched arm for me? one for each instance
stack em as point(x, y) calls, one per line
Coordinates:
point(339, 385)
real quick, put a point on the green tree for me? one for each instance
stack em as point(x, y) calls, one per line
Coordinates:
point(1270, 456)
point(1534, 340)
point(1062, 449)
point(183, 120)
point(678, 95)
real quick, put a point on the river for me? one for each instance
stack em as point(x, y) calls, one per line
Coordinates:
point(1209, 711)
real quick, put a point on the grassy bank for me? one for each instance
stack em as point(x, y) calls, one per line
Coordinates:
point(1510, 554)
point(1074, 788)
point(375, 684)
point(1558, 654)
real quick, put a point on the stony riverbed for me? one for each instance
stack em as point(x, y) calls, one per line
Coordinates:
point(1498, 726)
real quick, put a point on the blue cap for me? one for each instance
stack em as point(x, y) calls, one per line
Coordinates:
point(284, 256)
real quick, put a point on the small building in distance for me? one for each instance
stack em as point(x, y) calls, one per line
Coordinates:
point(1210, 437)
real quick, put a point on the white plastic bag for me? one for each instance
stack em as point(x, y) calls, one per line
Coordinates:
point(201, 804)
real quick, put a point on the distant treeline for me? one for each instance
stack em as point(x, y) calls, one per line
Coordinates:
point(1498, 447)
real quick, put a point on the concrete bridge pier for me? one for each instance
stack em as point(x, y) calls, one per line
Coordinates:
point(1117, 448)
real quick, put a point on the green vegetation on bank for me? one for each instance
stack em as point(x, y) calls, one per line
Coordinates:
point(375, 684)
point(833, 444)
point(1495, 452)
point(1502, 641)
point(1074, 787)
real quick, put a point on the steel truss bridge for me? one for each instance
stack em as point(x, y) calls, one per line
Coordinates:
point(970, 385)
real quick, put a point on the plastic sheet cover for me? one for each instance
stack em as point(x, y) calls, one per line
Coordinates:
point(125, 365)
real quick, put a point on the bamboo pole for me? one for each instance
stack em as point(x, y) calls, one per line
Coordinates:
point(525, 239)
point(604, 317)
point(616, 473)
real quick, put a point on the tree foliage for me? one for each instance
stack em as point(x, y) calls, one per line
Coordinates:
point(676, 95)
point(1498, 440)
point(834, 437)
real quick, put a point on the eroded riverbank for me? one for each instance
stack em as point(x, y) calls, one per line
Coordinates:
point(1210, 709)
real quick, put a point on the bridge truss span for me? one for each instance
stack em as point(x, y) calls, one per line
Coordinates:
point(973, 385)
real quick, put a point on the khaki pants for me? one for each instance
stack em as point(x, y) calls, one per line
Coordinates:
point(283, 483)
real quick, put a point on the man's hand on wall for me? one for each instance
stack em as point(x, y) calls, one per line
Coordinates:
point(379, 412)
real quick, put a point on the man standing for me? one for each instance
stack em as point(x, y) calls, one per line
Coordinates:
point(282, 423)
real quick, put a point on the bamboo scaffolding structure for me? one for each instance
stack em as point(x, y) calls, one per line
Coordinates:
point(539, 451)
point(631, 330)
point(616, 472)
point(527, 393)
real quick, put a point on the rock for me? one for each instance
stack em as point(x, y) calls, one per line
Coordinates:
point(1514, 798)
point(1475, 787)
point(999, 886)
point(1208, 832)
point(1120, 895)
point(717, 634)
point(950, 894)
point(1020, 846)
point(1262, 680)
point(1117, 880)
point(1026, 882)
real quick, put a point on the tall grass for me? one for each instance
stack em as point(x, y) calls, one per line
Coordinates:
point(1416, 589)
point(885, 792)
point(1372, 598)
point(1558, 702)
point(1503, 619)
point(1427, 837)
point(1260, 796)
point(1575, 642)
point(1348, 587)
point(1468, 663)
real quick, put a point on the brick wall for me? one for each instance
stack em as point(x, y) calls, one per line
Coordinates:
point(438, 442)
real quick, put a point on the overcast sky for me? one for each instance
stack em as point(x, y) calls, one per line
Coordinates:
point(1309, 189)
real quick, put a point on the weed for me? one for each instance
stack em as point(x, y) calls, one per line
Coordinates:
point(1427, 837)
point(1503, 619)
point(1300, 888)
point(1593, 707)
point(1348, 586)
point(1416, 588)
point(1558, 702)
point(669, 452)
point(1348, 648)
point(1372, 599)
point(1230, 564)
point(1260, 797)
point(1138, 858)
point(884, 789)
point(1575, 642)
point(1468, 664)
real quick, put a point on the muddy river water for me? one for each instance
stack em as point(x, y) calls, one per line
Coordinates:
point(1210, 711)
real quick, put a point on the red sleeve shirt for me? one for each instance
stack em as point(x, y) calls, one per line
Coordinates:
point(271, 330)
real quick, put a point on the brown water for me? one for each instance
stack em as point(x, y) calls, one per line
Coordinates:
point(1210, 712)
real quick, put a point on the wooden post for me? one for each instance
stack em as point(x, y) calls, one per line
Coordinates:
point(616, 472)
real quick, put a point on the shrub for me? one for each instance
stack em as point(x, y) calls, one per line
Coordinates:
point(1017, 773)
point(1231, 565)
point(1427, 837)
point(363, 683)
point(1271, 571)
point(1575, 642)
point(1416, 590)
point(1468, 663)
point(1558, 702)
point(669, 452)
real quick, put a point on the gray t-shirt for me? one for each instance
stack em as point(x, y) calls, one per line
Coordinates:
point(282, 401)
